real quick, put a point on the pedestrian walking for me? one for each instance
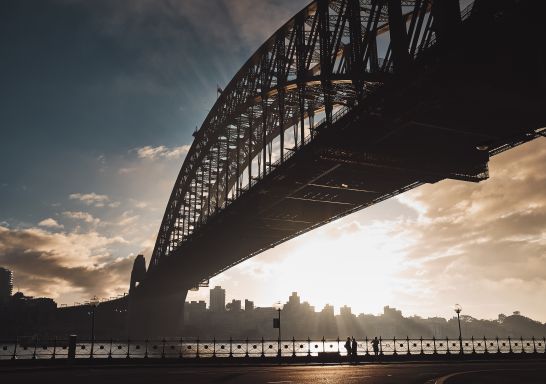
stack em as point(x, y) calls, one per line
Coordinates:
point(348, 347)
point(375, 345)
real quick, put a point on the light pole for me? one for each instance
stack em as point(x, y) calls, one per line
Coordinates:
point(277, 324)
point(458, 310)
point(94, 302)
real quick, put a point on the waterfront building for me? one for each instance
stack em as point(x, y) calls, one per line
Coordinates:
point(217, 299)
point(6, 284)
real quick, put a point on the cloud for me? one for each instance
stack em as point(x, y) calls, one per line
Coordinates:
point(50, 223)
point(127, 170)
point(127, 219)
point(83, 216)
point(139, 204)
point(53, 264)
point(484, 239)
point(509, 208)
point(256, 21)
point(162, 152)
point(94, 199)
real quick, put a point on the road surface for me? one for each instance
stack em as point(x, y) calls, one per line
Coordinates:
point(530, 372)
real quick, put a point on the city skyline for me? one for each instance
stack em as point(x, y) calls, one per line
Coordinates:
point(25, 315)
point(219, 295)
point(301, 319)
point(105, 139)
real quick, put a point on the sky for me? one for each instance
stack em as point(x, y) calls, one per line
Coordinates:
point(98, 101)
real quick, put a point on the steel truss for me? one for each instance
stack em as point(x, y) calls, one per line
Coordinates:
point(329, 57)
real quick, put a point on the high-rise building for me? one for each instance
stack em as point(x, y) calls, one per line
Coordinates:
point(217, 299)
point(345, 311)
point(249, 305)
point(391, 312)
point(294, 299)
point(293, 304)
point(6, 284)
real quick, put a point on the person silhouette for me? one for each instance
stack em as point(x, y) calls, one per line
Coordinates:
point(354, 346)
point(375, 345)
point(348, 347)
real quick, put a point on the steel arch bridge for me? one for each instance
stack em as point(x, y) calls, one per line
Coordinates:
point(349, 103)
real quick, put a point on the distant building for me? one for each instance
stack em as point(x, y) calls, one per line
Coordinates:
point(328, 310)
point(194, 310)
point(249, 305)
point(305, 306)
point(392, 312)
point(345, 311)
point(235, 305)
point(217, 299)
point(39, 303)
point(196, 306)
point(293, 304)
point(6, 284)
point(294, 299)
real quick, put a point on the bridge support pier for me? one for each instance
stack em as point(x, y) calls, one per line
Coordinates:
point(156, 315)
point(156, 306)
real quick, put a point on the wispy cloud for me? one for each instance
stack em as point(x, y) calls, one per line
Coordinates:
point(255, 21)
point(127, 170)
point(127, 218)
point(50, 223)
point(160, 33)
point(94, 199)
point(139, 204)
point(83, 216)
point(162, 152)
point(236, 22)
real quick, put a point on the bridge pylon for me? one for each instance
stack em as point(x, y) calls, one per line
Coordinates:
point(155, 310)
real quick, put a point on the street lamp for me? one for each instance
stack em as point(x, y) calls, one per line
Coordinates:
point(94, 302)
point(458, 310)
point(277, 324)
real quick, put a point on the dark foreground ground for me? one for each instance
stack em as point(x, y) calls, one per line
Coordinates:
point(430, 373)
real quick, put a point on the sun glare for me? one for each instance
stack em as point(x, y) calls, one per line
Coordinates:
point(357, 268)
point(344, 263)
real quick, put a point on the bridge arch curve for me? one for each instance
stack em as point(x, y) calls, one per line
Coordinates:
point(320, 63)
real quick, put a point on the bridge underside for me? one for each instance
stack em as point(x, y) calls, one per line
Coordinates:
point(435, 122)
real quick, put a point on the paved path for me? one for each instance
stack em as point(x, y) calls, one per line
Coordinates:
point(407, 373)
point(498, 375)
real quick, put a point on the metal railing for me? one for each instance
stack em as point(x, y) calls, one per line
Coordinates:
point(183, 348)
